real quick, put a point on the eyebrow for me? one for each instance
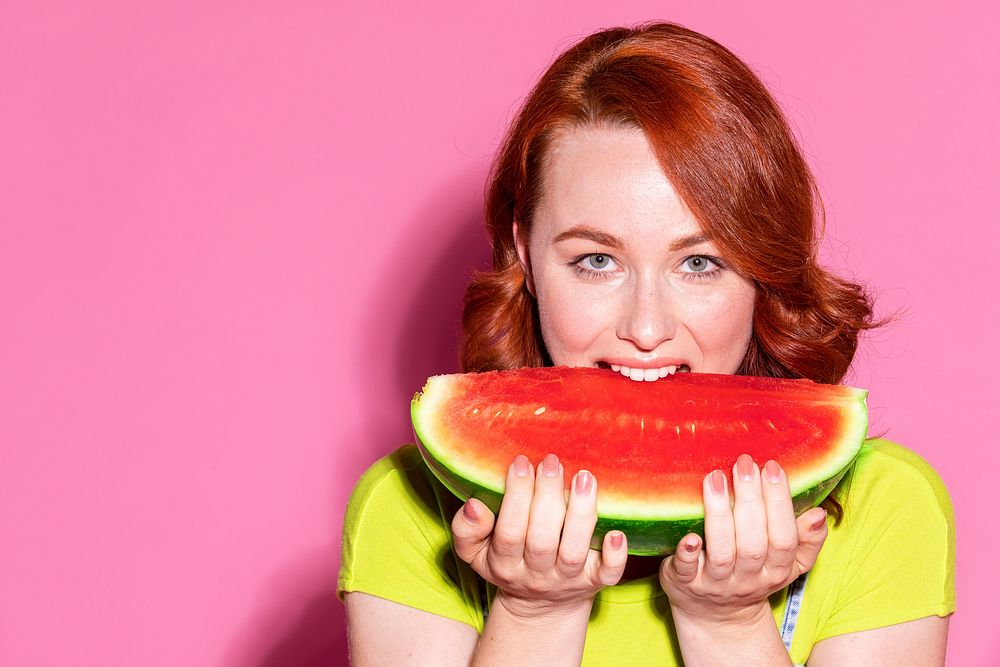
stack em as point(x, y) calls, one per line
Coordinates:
point(591, 234)
point(687, 241)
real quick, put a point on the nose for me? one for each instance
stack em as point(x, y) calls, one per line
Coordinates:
point(648, 318)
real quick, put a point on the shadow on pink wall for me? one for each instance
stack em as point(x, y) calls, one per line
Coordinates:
point(318, 638)
point(411, 332)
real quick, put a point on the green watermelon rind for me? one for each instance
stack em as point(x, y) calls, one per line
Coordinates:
point(646, 537)
point(654, 535)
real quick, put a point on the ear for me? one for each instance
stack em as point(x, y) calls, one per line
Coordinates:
point(521, 244)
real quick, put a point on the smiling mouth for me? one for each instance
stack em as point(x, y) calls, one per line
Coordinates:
point(645, 374)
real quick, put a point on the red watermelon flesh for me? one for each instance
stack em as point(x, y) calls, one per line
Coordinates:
point(648, 444)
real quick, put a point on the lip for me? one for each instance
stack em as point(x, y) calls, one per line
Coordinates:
point(658, 362)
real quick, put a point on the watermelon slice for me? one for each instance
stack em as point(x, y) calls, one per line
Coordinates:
point(649, 444)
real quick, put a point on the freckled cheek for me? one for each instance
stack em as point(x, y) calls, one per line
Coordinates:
point(572, 320)
point(721, 324)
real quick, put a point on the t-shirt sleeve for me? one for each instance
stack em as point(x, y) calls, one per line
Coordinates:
point(397, 543)
point(901, 563)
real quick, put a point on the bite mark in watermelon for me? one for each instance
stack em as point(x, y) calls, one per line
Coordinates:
point(648, 444)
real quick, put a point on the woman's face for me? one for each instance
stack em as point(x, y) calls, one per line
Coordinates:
point(621, 273)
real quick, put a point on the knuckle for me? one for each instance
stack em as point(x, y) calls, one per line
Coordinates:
point(517, 494)
point(718, 509)
point(539, 550)
point(755, 553)
point(573, 559)
point(614, 561)
point(777, 501)
point(505, 540)
point(606, 579)
point(721, 597)
point(722, 559)
point(501, 574)
point(785, 545)
point(782, 574)
point(548, 485)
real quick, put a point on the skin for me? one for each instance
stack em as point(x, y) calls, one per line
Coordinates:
point(613, 286)
point(641, 302)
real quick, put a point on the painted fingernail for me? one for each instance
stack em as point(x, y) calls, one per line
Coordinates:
point(745, 466)
point(470, 512)
point(717, 480)
point(818, 523)
point(691, 546)
point(772, 472)
point(522, 466)
point(616, 540)
point(550, 465)
point(584, 483)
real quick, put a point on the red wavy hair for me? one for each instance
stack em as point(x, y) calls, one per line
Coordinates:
point(728, 151)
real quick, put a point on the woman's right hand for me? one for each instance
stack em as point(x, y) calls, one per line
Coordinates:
point(537, 550)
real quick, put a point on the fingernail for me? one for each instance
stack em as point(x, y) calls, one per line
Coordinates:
point(469, 511)
point(691, 546)
point(522, 466)
point(550, 465)
point(616, 539)
point(820, 521)
point(584, 483)
point(772, 471)
point(745, 466)
point(717, 480)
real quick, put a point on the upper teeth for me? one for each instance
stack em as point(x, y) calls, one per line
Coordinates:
point(646, 374)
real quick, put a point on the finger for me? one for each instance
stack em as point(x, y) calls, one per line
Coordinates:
point(812, 530)
point(471, 528)
point(750, 517)
point(578, 527)
point(683, 565)
point(611, 561)
point(507, 543)
point(720, 531)
point(782, 532)
point(545, 521)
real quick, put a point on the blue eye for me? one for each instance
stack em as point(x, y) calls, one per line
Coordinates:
point(596, 265)
point(597, 261)
point(699, 264)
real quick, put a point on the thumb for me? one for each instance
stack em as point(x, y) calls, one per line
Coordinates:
point(812, 534)
point(682, 566)
point(471, 529)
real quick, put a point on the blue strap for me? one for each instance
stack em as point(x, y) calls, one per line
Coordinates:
point(792, 607)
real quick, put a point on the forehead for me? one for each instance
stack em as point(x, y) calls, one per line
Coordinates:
point(609, 178)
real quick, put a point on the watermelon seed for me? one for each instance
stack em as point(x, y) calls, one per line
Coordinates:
point(540, 410)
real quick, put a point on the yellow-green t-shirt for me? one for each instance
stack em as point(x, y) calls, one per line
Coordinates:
point(891, 559)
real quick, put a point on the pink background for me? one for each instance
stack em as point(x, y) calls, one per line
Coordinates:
point(233, 242)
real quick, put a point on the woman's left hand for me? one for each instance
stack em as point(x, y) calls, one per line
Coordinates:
point(750, 551)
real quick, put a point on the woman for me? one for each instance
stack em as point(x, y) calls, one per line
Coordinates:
point(651, 213)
